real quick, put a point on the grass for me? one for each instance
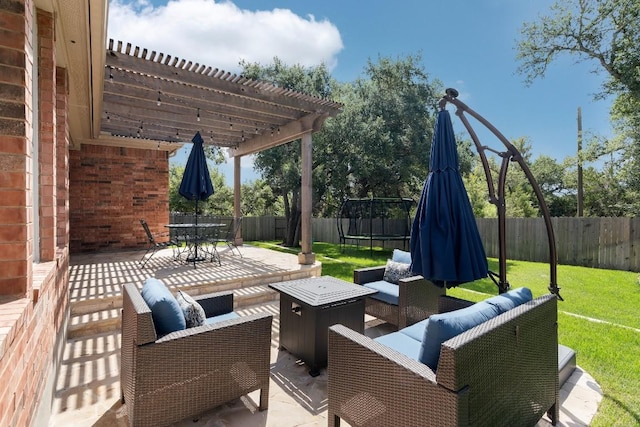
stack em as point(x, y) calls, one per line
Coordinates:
point(598, 317)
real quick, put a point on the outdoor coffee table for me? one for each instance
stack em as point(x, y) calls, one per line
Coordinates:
point(309, 306)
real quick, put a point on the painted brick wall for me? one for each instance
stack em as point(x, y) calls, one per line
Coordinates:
point(110, 189)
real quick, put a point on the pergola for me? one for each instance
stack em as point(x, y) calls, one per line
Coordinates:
point(156, 101)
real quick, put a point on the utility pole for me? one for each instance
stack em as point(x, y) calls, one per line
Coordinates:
point(580, 192)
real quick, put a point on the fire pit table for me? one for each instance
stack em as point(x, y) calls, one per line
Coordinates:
point(309, 306)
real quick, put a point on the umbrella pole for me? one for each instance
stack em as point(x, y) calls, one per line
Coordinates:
point(196, 184)
point(195, 232)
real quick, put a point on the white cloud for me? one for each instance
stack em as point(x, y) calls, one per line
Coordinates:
point(219, 34)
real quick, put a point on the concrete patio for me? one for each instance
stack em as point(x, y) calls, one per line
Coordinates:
point(87, 391)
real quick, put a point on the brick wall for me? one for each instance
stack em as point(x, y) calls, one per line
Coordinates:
point(47, 136)
point(110, 189)
point(62, 158)
point(33, 297)
point(16, 59)
point(26, 361)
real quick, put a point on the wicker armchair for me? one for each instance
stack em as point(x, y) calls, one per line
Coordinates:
point(188, 372)
point(503, 372)
point(417, 298)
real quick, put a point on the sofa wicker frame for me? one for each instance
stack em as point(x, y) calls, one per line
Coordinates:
point(417, 298)
point(503, 372)
point(187, 372)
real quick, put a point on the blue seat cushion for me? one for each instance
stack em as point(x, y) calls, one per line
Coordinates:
point(415, 331)
point(221, 317)
point(165, 310)
point(508, 300)
point(441, 327)
point(387, 292)
point(401, 256)
point(401, 343)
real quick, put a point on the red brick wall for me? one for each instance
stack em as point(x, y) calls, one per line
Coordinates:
point(25, 363)
point(62, 158)
point(47, 135)
point(15, 150)
point(110, 189)
point(33, 297)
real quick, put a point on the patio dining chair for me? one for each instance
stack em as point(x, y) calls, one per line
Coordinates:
point(154, 245)
point(208, 238)
point(229, 238)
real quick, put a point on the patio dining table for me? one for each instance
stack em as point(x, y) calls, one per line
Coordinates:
point(194, 236)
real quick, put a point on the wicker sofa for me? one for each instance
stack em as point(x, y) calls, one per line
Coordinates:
point(413, 298)
point(502, 372)
point(184, 373)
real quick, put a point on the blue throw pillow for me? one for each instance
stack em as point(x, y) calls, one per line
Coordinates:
point(441, 327)
point(401, 256)
point(165, 310)
point(508, 300)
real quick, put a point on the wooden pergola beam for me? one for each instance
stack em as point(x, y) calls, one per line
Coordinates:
point(153, 100)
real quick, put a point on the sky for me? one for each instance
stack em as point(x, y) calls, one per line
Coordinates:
point(467, 45)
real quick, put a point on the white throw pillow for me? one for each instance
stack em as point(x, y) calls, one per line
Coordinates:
point(194, 314)
point(394, 271)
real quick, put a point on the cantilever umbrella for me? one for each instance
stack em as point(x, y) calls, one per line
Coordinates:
point(445, 243)
point(196, 181)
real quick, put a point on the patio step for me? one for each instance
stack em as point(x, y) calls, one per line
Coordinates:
point(104, 316)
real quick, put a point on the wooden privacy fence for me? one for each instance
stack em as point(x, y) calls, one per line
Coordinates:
point(590, 242)
point(253, 227)
point(611, 243)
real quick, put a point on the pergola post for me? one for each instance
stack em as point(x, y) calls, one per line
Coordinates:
point(306, 256)
point(237, 213)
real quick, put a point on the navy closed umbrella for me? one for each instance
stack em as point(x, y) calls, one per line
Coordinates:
point(196, 181)
point(445, 243)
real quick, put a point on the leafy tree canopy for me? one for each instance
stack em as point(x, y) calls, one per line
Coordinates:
point(607, 33)
point(219, 204)
point(379, 144)
point(604, 31)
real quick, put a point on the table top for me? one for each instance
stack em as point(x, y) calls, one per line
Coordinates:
point(317, 291)
point(199, 225)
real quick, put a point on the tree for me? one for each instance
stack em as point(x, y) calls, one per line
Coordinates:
point(552, 176)
point(604, 194)
point(520, 199)
point(606, 32)
point(258, 199)
point(475, 183)
point(379, 144)
point(177, 203)
point(219, 204)
point(280, 166)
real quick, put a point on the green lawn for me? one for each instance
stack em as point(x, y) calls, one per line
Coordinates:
point(598, 317)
